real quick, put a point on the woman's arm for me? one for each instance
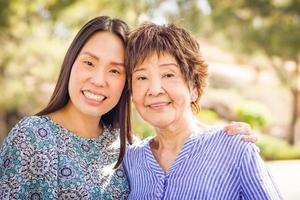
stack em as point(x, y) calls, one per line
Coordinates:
point(256, 180)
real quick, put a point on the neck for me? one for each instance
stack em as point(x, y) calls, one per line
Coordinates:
point(77, 122)
point(174, 137)
point(168, 142)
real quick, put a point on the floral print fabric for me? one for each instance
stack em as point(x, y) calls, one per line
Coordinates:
point(42, 160)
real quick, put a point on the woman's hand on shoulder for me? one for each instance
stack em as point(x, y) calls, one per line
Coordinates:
point(234, 128)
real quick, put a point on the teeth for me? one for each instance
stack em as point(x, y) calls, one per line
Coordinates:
point(93, 96)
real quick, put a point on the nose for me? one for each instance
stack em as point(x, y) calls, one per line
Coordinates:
point(98, 77)
point(155, 87)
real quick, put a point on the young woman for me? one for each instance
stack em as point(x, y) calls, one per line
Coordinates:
point(73, 147)
point(70, 148)
point(184, 160)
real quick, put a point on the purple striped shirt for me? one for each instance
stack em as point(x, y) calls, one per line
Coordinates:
point(211, 165)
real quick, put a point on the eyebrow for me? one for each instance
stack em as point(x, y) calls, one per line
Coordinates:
point(97, 58)
point(90, 54)
point(168, 64)
point(139, 69)
point(161, 65)
point(118, 63)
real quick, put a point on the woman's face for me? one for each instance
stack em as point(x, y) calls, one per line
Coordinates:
point(98, 75)
point(160, 93)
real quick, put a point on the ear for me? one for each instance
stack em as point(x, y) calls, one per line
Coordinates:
point(194, 94)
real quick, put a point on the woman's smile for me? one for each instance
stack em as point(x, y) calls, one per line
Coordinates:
point(93, 99)
point(158, 105)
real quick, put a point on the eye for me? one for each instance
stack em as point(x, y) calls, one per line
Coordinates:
point(115, 71)
point(168, 75)
point(89, 63)
point(141, 78)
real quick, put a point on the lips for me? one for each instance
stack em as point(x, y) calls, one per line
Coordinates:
point(158, 105)
point(93, 96)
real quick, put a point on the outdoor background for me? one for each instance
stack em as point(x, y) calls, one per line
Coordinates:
point(252, 47)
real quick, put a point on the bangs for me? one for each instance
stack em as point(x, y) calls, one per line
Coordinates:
point(154, 40)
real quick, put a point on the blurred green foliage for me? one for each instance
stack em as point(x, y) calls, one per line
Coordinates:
point(270, 28)
point(272, 148)
point(254, 113)
point(208, 116)
point(140, 127)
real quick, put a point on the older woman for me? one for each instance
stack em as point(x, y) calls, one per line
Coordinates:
point(184, 160)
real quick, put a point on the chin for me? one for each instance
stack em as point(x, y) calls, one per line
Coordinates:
point(159, 124)
point(93, 112)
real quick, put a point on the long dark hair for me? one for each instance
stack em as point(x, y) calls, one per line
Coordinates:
point(119, 116)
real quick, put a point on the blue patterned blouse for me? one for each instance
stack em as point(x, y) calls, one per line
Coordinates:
point(42, 160)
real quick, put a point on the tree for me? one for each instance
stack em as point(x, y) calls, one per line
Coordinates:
point(266, 26)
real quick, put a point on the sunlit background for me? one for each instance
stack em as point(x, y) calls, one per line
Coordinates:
point(252, 47)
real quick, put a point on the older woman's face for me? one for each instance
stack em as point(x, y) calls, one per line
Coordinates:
point(159, 91)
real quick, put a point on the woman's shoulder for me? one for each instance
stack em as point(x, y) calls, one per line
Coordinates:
point(137, 148)
point(223, 148)
point(139, 145)
point(29, 122)
point(216, 133)
point(34, 123)
point(135, 153)
point(31, 129)
point(228, 144)
point(29, 154)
